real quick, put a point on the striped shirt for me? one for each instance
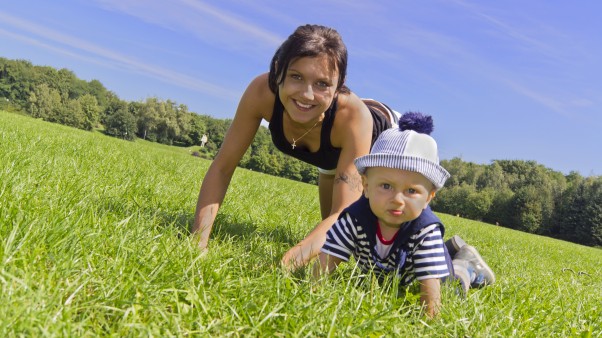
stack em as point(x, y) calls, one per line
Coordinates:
point(421, 257)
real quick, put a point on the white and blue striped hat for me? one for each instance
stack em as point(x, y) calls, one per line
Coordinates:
point(409, 147)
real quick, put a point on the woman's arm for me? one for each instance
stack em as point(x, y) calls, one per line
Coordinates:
point(352, 132)
point(251, 109)
point(430, 296)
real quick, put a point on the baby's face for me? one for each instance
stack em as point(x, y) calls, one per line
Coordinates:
point(396, 196)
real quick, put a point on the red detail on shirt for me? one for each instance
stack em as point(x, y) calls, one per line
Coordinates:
point(380, 237)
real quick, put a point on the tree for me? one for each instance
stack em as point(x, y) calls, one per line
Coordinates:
point(579, 218)
point(501, 211)
point(96, 89)
point(292, 170)
point(478, 203)
point(90, 110)
point(197, 129)
point(119, 122)
point(593, 213)
point(64, 80)
point(216, 130)
point(493, 177)
point(72, 115)
point(528, 209)
point(452, 200)
point(567, 215)
point(45, 103)
point(147, 118)
point(184, 118)
point(167, 125)
point(18, 80)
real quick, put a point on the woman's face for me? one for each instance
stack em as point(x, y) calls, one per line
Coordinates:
point(308, 88)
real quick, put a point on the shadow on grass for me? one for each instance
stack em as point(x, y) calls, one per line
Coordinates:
point(225, 227)
point(245, 234)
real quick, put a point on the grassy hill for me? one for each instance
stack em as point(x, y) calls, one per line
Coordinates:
point(93, 241)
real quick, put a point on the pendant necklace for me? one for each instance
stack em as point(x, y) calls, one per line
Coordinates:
point(294, 144)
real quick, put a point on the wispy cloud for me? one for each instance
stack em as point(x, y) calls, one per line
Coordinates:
point(235, 22)
point(84, 50)
point(456, 55)
point(545, 100)
point(544, 45)
point(37, 43)
point(206, 22)
point(523, 37)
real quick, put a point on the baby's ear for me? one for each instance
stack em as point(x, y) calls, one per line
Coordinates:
point(432, 195)
point(364, 184)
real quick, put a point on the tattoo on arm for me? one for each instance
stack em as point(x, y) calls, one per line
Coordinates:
point(354, 181)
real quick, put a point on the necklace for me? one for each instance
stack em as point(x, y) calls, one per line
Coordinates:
point(294, 144)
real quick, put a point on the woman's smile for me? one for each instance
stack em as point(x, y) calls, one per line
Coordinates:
point(302, 106)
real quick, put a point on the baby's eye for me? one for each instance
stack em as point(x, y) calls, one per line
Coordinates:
point(386, 186)
point(412, 191)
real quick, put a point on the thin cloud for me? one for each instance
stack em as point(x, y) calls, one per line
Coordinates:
point(561, 104)
point(207, 23)
point(113, 59)
point(544, 100)
point(516, 34)
point(235, 22)
point(37, 43)
point(459, 57)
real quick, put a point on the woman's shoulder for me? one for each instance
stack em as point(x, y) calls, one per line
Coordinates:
point(259, 97)
point(351, 118)
point(350, 103)
point(351, 109)
point(259, 85)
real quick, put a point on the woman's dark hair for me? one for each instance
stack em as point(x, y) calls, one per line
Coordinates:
point(309, 41)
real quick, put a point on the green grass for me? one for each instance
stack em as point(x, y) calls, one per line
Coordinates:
point(94, 242)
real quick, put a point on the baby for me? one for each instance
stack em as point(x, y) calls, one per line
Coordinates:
point(391, 228)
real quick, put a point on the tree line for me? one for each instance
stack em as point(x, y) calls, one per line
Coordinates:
point(525, 196)
point(522, 195)
point(59, 96)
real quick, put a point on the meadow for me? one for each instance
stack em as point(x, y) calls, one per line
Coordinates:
point(94, 242)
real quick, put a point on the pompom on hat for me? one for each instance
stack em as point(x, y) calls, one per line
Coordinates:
point(409, 147)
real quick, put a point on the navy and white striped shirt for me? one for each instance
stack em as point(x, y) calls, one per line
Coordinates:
point(421, 257)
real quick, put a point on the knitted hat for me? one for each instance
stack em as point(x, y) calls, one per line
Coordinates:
point(408, 147)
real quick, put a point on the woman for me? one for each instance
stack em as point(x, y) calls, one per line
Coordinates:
point(313, 117)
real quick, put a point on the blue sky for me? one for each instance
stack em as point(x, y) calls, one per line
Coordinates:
point(502, 79)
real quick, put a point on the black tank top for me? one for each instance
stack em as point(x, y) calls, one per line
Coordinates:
point(327, 156)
